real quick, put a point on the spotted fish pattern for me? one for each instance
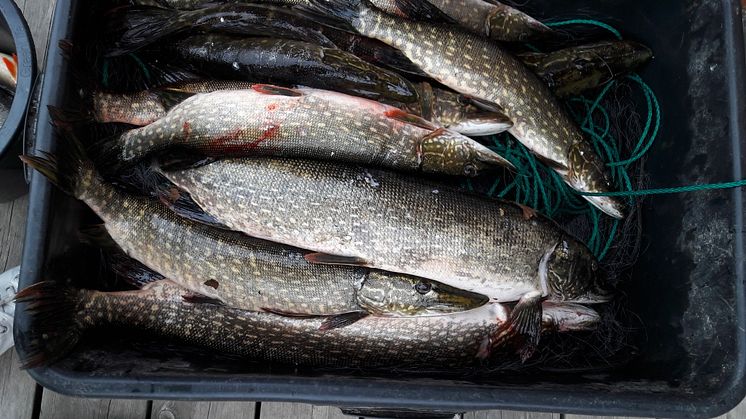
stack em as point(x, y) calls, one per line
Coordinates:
point(442, 107)
point(493, 19)
point(249, 273)
point(480, 68)
point(140, 108)
point(451, 340)
point(309, 123)
point(160, 309)
point(390, 222)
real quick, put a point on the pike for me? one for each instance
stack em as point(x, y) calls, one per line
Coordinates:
point(63, 314)
point(305, 123)
point(481, 68)
point(377, 219)
point(240, 271)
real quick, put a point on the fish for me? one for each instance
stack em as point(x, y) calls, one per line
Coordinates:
point(481, 68)
point(493, 20)
point(456, 112)
point(240, 271)
point(574, 70)
point(8, 70)
point(284, 61)
point(358, 216)
point(145, 26)
point(62, 314)
point(569, 71)
point(440, 106)
point(140, 27)
point(305, 123)
point(139, 108)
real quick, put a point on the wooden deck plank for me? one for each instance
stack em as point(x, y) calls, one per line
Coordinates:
point(57, 406)
point(508, 414)
point(168, 409)
point(38, 14)
point(299, 410)
point(17, 389)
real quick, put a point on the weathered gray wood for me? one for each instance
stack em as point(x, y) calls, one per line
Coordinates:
point(508, 414)
point(57, 406)
point(299, 410)
point(16, 387)
point(167, 409)
point(38, 14)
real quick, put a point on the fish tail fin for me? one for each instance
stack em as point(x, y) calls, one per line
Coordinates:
point(132, 271)
point(337, 13)
point(70, 169)
point(107, 153)
point(52, 306)
point(142, 26)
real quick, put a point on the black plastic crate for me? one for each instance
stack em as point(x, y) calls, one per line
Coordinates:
point(687, 287)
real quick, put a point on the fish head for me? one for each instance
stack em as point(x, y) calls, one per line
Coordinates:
point(482, 124)
point(587, 173)
point(389, 294)
point(513, 25)
point(569, 317)
point(446, 151)
point(617, 57)
point(570, 272)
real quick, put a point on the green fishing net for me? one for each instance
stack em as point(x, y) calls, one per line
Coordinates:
point(617, 138)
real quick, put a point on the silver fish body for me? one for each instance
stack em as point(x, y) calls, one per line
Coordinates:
point(308, 123)
point(241, 271)
point(493, 20)
point(397, 223)
point(448, 341)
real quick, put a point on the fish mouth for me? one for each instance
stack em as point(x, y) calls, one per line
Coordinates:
point(569, 317)
point(482, 125)
point(610, 206)
point(486, 156)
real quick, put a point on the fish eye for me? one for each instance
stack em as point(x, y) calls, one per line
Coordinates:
point(594, 266)
point(470, 170)
point(423, 287)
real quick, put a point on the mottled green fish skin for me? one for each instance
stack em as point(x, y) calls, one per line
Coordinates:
point(307, 123)
point(493, 20)
point(139, 108)
point(442, 107)
point(396, 223)
point(160, 308)
point(147, 106)
point(448, 341)
point(481, 68)
point(241, 271)
point(573, 70)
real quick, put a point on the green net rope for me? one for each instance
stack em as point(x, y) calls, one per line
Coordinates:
point(537, 186)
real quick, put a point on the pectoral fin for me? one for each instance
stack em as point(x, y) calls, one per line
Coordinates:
point(523, 327)
point(342, 320)
point(326, 259)
point(195, 298)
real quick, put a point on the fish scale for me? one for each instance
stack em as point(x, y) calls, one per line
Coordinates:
point(391, 222)
point(439, 341)
point(492, 19)
point(481, 68)
point(241, 271)
point(307, 123)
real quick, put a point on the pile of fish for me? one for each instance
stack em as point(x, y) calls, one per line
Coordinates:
point(294, 207)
